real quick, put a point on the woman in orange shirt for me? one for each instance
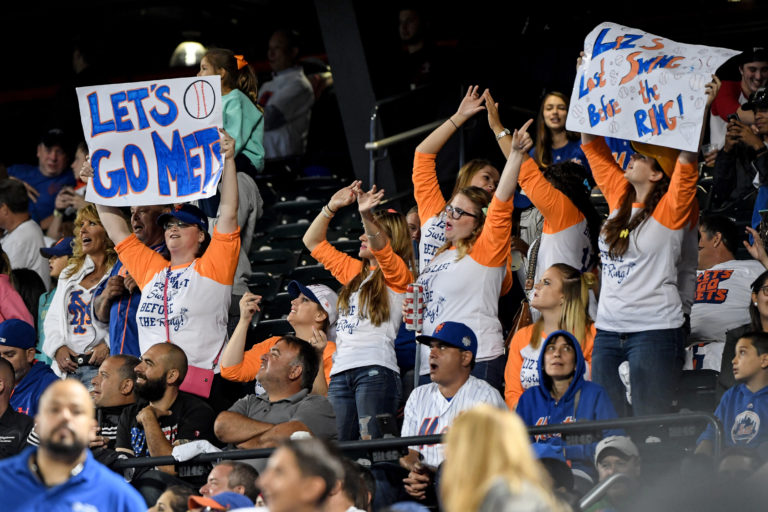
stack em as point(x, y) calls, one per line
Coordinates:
point(562, 297)
point(365, 379)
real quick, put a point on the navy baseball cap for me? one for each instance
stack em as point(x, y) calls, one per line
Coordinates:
point(188, 213)
point(54, 137)
point(17, 333)
point(454, 334)
point(61, 248)
point(521, 201)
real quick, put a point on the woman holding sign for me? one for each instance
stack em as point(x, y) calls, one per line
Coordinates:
point(640, 315)
point(186, 292)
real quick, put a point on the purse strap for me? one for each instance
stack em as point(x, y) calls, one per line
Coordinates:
point(165, 312)
point(531, 272)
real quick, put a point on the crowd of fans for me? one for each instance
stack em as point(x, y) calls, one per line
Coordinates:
point(128, 336)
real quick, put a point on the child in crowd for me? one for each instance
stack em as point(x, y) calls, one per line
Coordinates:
point(744, 407)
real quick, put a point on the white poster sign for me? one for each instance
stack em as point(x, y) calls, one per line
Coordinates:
point(638, 86)
point(153, 142)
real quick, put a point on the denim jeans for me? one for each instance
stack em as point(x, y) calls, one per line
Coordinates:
point(358, 395)
point(84, 374)
point(655, 362)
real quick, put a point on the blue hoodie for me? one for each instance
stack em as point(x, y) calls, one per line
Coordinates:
point(28, 390)
point(537, 407)
point(742, 413)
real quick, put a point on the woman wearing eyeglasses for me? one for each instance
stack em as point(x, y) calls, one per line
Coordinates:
point(463, 281)
point(186, 292)
point(477, 173)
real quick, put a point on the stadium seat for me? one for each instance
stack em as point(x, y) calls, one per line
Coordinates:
point(268, 328)
point(277, 307)
point(311, 274)
point(273, 261)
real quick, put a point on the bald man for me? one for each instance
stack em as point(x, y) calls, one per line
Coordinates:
point(14, 426)
point(163, 416)
point(62, 470)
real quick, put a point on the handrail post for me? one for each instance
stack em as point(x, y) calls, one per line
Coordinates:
point(372, 138)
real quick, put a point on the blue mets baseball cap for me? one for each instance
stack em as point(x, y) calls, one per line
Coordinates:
point(454, 334)
point(17, 333)
point(61, 248)
point(188, 213)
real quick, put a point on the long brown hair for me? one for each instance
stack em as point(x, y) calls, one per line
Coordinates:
point(624, 220)
point(374, 299)
point(542, 151)
point(574, 316)
point(234, 78)
point(754, 314)
point(480, 198)
point(76, 261)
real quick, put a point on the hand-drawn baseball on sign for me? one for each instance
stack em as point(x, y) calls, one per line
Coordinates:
point(199, 99)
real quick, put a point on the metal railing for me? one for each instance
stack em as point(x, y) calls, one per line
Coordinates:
point(394, 443)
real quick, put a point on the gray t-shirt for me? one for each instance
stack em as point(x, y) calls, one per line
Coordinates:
point(314, 411)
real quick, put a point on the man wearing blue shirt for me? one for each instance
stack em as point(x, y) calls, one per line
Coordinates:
point(61, 474)
point(45, 180)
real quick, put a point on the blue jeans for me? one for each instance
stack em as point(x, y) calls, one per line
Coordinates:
point(655, 363)
point(84, 374)
point(358, 395)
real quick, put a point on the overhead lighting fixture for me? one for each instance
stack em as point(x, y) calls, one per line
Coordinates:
point(187, 54)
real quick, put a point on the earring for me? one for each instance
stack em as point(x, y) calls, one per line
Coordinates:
point(755, 303)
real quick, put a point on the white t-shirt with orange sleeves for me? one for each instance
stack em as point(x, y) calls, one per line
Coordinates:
point(358, 341)
point(639, 290)
point(198, 296)
point(431, 205)
point(565, 236)
point(522, 369)
point(467, 290)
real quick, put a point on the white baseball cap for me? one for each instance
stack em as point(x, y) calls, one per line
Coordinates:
point(318, 293)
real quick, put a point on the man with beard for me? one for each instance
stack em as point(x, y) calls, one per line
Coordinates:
point(116, 300)
point(61, 474)
point(163, 417)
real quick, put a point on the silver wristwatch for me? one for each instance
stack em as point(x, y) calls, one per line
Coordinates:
point(502, 134)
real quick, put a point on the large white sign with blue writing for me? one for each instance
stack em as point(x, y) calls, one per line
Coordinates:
point(637, 86)
point(153, 142)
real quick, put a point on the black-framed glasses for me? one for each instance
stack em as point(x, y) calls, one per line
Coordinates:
point(764, 291)
point(175, 224)
point(456, 213)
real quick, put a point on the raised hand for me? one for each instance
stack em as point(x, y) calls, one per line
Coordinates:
point(756, 249)
point(345, 196)
point(227, 144)
point(521, 139)
point(249, 305)
point(712, 89)
point(494, 120)
point(366, 201)
point(471, 104)
point(86, 171)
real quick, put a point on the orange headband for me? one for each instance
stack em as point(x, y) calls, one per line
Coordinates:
point(241, 62)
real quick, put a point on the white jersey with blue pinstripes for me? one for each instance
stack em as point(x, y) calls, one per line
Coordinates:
point(428, 412)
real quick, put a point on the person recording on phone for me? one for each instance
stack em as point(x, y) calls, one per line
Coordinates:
point(742, 165)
